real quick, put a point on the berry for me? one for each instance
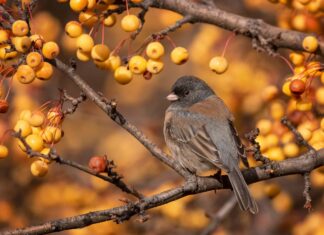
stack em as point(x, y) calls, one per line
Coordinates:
point(130, 23)
point(50, 50)
point(100, 52)
point(35, 142)
point(123, 75)
point(88, 18)
point(154, 66)
point(24, 127)
point(297, 87)
point(137, 64)
point(20, 28)
point(22, 44)
point(4, 36)
point(51, 134)
point(264, 126)
point(25, 115)
point(105, 65)
point(98, 163)
point(39, 168)
point(110, 21)
point(83, 56)
point(73, 29)
point(269, 93)
point(7, 52)
point(54, 116)
point(319, 95)
point(34, 59)
point(78, 5)
point(218, 64)
point(154, 50)
point(45, 71)
point(85, 43)
point(322, 124)
point(310, 43)
point(304, 105)
point(37, 119)
point(179, 55)
point(297, 58)
point(4, 106)
point(37, 40)
point(136, 1)
point(277, 110)
point(291, 150)
point(286, 88)
point(3, 151)
point(25, 74)
point(114, 62)
point(271, 190)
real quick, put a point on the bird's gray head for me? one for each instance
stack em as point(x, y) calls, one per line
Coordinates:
point(188, 90)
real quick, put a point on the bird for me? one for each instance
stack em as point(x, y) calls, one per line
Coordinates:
point(200, 134)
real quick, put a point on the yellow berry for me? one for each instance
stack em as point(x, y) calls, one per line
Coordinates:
point(261, 140)
point(322, 77)
point(218, 64)
point(114, 62)
point(22, 44)
point(264, 126)
point(45, 71)
point(123, 75)
point(37, 40)
point(304, 105)
point(291, 150)
point(25, 115)
point(271, 140)
point(105, 65)
point(36, 130)
point(51, 134)
point(154, 66)
point(310, 43)
point(100, 52)
point(137, 64)
point(54, 116)
point(46, 151)
point(277, 110)
point(34, 59)
point(319, 95)
point(287, 137)
point(78, 5)
point(50, 50)
point(7, 52)
point(179, 55)
point(305, 133)
point(271, 190)
point(91, 4)
point(275, 154)
point(73, 29)
point(130, 23)
point(269, 93)
point(24, 127)
point(85, 43)
point(3, 151)
point(110, 21)
point(286, 88)
point(297, 58)
point(154, 50)
point(25, 74)
point(4, 36)
point(35, 142)
point(20, 28)
point(39, 168)
point(83, 56)
point(37, 119)
point(88, 18)
point(322, 124)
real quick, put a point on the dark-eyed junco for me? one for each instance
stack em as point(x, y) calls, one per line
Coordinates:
point(200, 134)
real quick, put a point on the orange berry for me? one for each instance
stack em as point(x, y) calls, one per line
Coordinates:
point(85, 43)
point(154, 66)
point(297, 87)
point(35, 142)
point(78, 5)
point(269, 93)
point(130, 23)
point(137, 64)
point(277, 110)
point(7, 52)
point(123, 75)
point(24, 127)
point(4, 106)
point(286, 88)
point(310, 43)
point(25, 74)
point(45, 71)
point(91, 4)
point(218, 64)
point(98, 164)
point(136, 1)
point(179, 55)
point(114, 62)
point(3, 151)
point(54, 116)
point(110, 21)
point(88, 18)
point(50, 50)
point(51, 134)
point(73, 29)
point(271, 190)
point(25, 115)
point(304, 105)
point(37, 40)
point(37, 119)
point(4, 36)
point(154, 50)
point(264, 126)
point(22, 44)
point(34, 59)
point(291, 150)
point(20, 28)
point(319, 95)
point(322, 124)
point(100, 52)
point(297, 58)
point(39, 168)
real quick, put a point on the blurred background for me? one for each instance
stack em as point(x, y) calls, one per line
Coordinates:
point(27, 200)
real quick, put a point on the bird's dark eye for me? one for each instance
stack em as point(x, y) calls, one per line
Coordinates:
point(186, 92)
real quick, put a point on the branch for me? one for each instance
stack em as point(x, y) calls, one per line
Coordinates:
point(53, 156)
point(298, 165)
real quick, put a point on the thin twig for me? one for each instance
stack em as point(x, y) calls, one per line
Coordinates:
point(306, 193)
point(251, 136)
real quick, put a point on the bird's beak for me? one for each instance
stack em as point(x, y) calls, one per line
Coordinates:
point(172, 97)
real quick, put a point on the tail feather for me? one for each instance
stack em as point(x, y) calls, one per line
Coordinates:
point(241, 191)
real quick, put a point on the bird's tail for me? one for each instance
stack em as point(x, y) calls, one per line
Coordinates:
point(241, 191)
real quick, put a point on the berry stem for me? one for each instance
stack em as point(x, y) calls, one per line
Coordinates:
point(227, 43)
point(170, 41)
point(10, 85)
point(102, 32)
point(287, 62)
point(127, 10)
